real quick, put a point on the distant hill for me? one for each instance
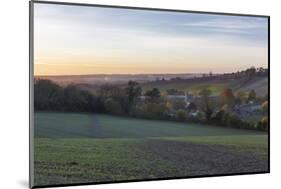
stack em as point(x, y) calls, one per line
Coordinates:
point(259, 84)
point(101, 79)
point(184, 82)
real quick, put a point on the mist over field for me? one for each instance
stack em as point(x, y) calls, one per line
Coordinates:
point(114, 78)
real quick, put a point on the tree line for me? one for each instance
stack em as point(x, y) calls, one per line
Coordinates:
point(126, 101)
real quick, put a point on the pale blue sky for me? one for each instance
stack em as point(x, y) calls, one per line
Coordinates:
point(84, 40)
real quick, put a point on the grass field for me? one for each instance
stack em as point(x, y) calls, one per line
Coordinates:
point(215, 88)
point(260, 85)
point(75, 148)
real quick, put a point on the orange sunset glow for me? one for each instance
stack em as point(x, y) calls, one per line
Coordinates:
point(93, 41)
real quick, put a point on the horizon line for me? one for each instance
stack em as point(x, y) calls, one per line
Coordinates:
point(183, 73)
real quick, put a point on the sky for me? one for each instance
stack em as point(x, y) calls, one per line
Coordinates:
point(79, 40)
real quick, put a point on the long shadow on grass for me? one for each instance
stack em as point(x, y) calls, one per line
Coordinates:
point(97, 127)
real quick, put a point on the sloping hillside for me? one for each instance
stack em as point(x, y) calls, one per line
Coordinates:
point(260, 85)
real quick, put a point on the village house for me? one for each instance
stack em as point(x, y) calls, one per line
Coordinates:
point(248, 108)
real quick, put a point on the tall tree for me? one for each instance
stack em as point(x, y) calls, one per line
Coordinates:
point(250, 72)
point(153, 94)
point(252, 95)
point(47, 95)
point(227, 97)
point(205, 93)
point(241, 97)
point(133, 90)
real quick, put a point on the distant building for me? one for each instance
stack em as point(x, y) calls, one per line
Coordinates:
point(194, 114)
point(176, 97)
point(142, 97)
point(248, 108)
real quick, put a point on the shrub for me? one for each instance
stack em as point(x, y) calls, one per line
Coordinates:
point(47, 95)
point(208, 114)
point(199, 116)
point(263, 124)
point(181, 115)
point(218, 117)
point(233, 120)
point(153, 110)
point(113, 106)
point(265, 107)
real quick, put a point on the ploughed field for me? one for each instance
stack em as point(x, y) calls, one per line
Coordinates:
point(81, 148)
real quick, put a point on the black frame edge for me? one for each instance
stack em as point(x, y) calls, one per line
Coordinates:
point(31, 113)
point(146, 8)
point(268, 62)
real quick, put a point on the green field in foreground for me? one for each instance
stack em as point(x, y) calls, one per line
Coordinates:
point(71, 125)
point(78, 148)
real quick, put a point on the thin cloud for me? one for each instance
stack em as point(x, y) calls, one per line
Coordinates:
point(86, 36)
